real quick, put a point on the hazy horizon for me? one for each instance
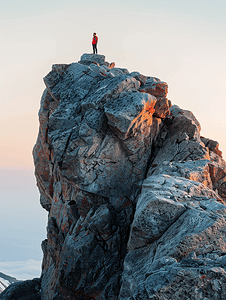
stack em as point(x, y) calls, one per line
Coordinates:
point(22, 223)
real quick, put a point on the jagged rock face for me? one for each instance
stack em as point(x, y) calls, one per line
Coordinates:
point(177, 241)
point(135, 196)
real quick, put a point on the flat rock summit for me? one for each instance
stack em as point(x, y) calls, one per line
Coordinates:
point(135, 195)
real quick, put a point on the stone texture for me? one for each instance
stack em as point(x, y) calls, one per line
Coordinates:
point(175, 251)
point(155, 87)
point(212, 145)
point(177, 238)
point(135, 195)
point(23, 290)
point(92, 152)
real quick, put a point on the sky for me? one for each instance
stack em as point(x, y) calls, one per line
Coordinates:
point(180, 42)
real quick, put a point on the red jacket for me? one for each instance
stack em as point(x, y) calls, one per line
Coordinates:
point(95, 40)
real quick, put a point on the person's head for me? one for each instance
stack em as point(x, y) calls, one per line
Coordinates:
point(94, 34)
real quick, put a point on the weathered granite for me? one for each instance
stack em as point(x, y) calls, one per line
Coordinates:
point(135, 195)
point(178, 235)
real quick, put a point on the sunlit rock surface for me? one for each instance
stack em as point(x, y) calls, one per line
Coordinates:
point(135, 195)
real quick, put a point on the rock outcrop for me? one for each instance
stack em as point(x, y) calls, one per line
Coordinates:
point(5, 281)
point(23, 290)
point(136, 197)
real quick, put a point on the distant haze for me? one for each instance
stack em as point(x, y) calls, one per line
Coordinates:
point(22, 224)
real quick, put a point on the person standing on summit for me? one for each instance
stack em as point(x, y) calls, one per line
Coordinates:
point(94, 43)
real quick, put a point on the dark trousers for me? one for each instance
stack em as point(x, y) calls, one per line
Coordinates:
point(94, 48)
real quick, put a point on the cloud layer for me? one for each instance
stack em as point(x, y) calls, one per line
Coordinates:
point(22, 270)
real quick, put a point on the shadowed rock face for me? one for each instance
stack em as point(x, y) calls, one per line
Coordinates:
point(23, 290)
point(135, 196)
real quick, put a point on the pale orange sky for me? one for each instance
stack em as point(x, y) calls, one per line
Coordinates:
point(181, 43)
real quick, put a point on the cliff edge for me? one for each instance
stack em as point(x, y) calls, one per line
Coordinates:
point(135, 195)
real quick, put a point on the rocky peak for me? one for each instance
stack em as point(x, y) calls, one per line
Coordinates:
point(136, 197)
